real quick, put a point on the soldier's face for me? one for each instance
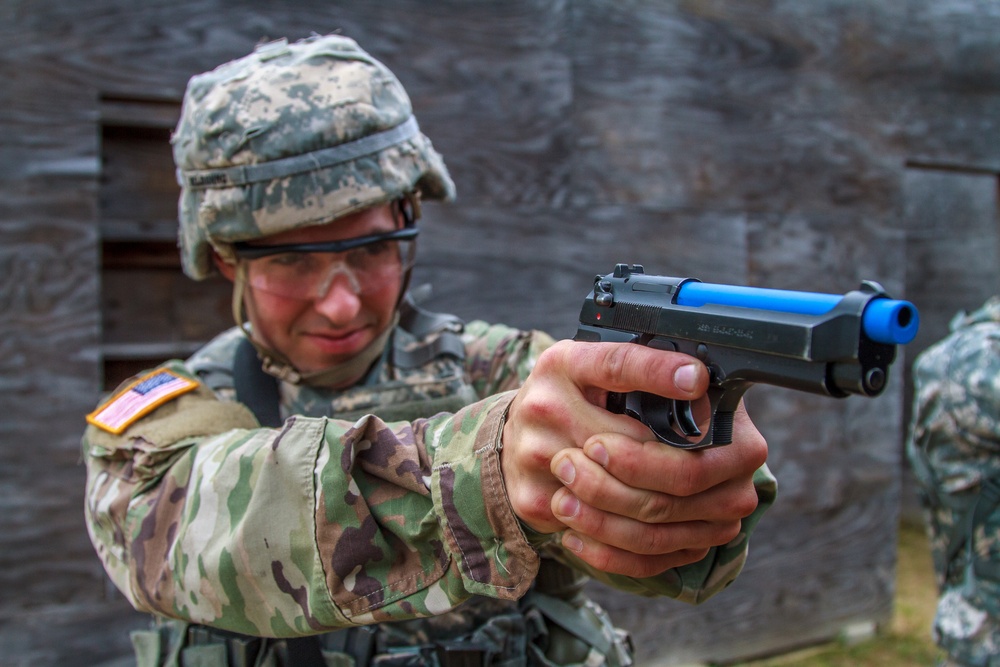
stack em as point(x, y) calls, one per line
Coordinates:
point(341, 310)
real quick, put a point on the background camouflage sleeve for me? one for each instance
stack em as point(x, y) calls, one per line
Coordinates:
point(954, 450)
point(198, 514)
point(499, 359)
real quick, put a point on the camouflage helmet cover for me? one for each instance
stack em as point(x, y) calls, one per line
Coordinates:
point(290, 136)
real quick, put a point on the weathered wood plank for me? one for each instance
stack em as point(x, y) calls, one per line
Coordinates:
point(721, 112)
point(951, 220)
point(138, 193)
point(533, 269)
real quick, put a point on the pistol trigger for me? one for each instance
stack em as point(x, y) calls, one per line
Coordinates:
point(684, 418)
point(615, 402)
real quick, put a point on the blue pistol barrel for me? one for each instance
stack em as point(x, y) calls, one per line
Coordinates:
point(888, 321)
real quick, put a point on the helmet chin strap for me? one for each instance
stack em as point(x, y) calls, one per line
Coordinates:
point(276, 364)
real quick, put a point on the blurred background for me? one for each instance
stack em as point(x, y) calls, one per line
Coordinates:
point(776, 143)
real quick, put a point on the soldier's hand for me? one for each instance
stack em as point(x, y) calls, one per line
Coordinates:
point(628, 504)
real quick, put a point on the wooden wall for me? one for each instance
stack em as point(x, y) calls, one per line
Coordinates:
point(774, 142)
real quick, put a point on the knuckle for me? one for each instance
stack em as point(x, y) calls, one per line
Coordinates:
point(739, 501)
point(754, 451)
point(593, 523)
point(747, 503)
point(532, 507)
point(656, 508)
point(688, 480)
point(542, 411)
point(652, 542)
point(597, 489)
point(727, 532)
point(615, 360)
point(758, 449)
point(534, 458)
point(551, 356)
point(561, 355)
point(752, 446)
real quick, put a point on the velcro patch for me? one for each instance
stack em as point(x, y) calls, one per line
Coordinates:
point(139, 398)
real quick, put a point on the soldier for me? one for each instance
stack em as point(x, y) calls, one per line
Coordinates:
point(954, 449)
point(345, 479)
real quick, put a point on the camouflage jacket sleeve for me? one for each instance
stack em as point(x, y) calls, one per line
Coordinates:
point(199, 514)
point(955, 433)
point(500, 358)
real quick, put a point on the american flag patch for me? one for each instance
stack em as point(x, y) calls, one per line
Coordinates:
point(139, 398)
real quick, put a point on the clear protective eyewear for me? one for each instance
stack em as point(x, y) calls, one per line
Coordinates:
point(308, 270)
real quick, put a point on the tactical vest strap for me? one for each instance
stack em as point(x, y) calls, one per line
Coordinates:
point(570, 619)
point(559, 580)
point(409, 411)
point(209, 644)
point(254, 388)
point(441, 332)
point(357, 642)
point(577, 631)
point(304, 652)
point(444, 344)
point(422, 322)
point(172, 643)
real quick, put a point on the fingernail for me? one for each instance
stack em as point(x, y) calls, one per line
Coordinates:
point(686, 377)
point(568, 506)
point(598, 454)
point(565, 471)
point(572, 542)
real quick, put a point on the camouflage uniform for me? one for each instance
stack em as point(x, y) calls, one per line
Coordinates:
point(955, 453)
point(381, 505)
point(199, 514)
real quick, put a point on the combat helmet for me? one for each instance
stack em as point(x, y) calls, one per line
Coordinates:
point(290, 136)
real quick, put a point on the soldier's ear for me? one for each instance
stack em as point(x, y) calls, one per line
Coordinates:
point(226, 269)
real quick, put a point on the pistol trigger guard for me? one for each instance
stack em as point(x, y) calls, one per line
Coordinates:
point(661, 415)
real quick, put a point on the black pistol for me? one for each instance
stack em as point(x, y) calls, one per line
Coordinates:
point(829, 344)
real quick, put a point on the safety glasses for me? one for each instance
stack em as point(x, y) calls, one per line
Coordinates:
point(308, 270)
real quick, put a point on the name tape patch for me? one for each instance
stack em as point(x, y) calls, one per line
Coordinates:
point(139, 398)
